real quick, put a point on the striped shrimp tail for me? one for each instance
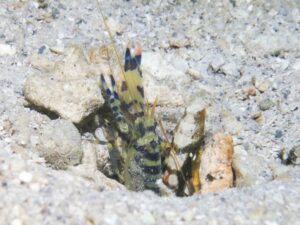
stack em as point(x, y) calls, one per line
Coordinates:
point(132, 90)
point(144, 161)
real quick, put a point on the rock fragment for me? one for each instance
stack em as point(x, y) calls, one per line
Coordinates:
point(249, 169)
point(191, 127)
point(68, 88)
point(73, 100)
point(215, 170)
point(60, 144)
point(88, 169)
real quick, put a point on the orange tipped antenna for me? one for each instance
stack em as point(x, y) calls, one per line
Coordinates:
point(138, 50)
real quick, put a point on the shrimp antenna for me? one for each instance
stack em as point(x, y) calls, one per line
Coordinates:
point(111, 39)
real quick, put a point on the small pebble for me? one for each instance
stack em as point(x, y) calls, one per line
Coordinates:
point(25, 177)
point(263, 87)
point(194, 74)
point(7, 50)
point(265, 104)
point(278, 134)
point(179, 43)
point(55, 13)
point(242, 95)
point(251, 91)
point(57, 50)
point(258, 117)
point(42, 49)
